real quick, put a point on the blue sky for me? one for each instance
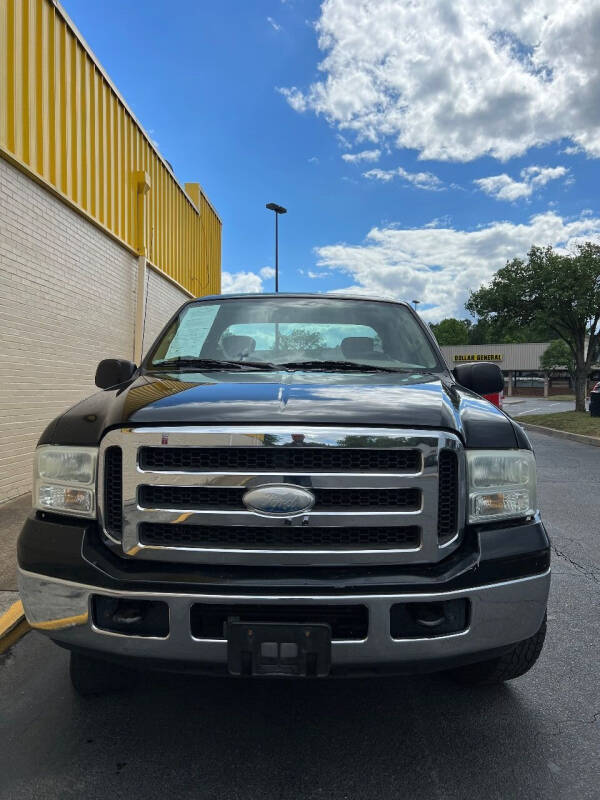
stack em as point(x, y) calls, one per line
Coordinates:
point(416, 146)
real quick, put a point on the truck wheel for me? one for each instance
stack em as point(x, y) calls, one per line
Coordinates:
point(513, 664)
point(92, 676)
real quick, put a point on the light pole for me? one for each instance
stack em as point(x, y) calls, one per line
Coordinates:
point(416, 303)
point(278, 210)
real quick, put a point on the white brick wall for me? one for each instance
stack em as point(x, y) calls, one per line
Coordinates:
point(164, 298)
point(67, 300)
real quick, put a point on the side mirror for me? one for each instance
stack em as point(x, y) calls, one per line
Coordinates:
point(113, 371)
point(482, 377)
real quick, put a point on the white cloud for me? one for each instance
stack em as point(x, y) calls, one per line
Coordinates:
point(422, 180)
point(459, 80)
point(364, 155)
point(267, 272)
point(440, 265)
point(241, 282)
point(312, 274)
point(275, 25)
point(503, 187)
point(313, 160)
point(439, 222)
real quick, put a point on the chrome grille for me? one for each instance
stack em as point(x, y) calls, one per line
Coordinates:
point(320, 458)
point(448, 495)
point(113, 490)
point(198, 498)
point(302, 536)
point(182, 490)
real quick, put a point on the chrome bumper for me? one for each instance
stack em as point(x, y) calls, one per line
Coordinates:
point(501, 614)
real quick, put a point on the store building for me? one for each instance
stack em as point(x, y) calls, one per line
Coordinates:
point(99, 242)
point(520, 364)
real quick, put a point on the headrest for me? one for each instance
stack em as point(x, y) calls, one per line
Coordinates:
point(236, 347)
point(353, 346)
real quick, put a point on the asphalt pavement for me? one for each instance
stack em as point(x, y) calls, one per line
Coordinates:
point(516, 406)
point(420, 737)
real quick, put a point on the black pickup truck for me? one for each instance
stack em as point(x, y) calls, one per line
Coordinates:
point(288, 485)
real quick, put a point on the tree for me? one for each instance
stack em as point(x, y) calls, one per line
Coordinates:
point(301, 339)
point(561, 292)
point(558, 355)
point(451, 331)
point(493, 332)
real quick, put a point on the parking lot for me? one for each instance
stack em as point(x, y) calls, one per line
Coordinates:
point(519, 406)
point(418, 737)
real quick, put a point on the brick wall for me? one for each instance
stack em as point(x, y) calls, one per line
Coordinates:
point(67, 300)
point(164, 298)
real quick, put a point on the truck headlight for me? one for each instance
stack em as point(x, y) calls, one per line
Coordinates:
point(501, 484)
point(64, 480)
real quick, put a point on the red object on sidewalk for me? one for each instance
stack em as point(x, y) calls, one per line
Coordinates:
point(497, 398)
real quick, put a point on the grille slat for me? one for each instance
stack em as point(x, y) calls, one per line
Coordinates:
point(282, 459)
point(239, 536)
point(448, 495)
point(113, 491)
point(225, 497)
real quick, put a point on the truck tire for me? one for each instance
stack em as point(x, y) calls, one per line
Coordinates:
point(513, 664)
point(93, 676)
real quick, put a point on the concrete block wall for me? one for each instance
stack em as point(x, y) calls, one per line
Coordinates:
point(67, 300)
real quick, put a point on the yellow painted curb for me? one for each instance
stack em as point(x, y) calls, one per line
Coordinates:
point(13, 626)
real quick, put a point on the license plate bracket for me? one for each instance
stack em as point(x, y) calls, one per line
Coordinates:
point(272, 648)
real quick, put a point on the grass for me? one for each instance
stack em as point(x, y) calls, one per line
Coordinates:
point(571, 421)
point(567, 398)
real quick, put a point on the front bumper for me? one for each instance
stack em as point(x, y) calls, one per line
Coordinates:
point(501, 614)
point(503, 573)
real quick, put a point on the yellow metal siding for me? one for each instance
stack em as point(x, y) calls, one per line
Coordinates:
point(61, 119)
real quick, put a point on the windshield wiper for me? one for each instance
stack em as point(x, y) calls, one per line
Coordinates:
point(211, 363)
point(349, 366)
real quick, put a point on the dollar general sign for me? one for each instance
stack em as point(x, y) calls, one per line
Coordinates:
point(479, 357)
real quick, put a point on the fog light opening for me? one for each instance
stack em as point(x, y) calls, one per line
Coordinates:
point(424, 620)
point(131, 617)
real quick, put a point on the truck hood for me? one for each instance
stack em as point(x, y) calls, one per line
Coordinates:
point(394, 400)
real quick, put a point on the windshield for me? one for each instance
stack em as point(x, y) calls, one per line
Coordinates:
point(290, 330)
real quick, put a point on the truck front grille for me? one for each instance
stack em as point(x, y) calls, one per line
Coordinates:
point(113, 490)
point(381, 496)
point(448, 495)
point(215, 497)
point(300, 537)
point(290, 459)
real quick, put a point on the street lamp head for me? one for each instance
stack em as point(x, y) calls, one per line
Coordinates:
point(277, 209)
point(416, 302)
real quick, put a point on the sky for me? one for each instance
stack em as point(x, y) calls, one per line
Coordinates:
point(417, 145)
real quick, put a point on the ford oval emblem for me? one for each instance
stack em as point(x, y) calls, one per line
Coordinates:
point(279, 500)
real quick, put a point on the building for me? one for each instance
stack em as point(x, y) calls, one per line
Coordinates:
point(99, 242)
point(520, 364)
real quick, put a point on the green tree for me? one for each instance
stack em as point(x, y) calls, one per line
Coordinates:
point(493, 331)
point(556, 356)
point(560, 292)
point(301, 339)
point(451, 331)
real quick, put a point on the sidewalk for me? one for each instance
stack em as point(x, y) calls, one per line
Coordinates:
point(12, 516)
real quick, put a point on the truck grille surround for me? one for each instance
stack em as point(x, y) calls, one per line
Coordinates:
point(382, 496)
